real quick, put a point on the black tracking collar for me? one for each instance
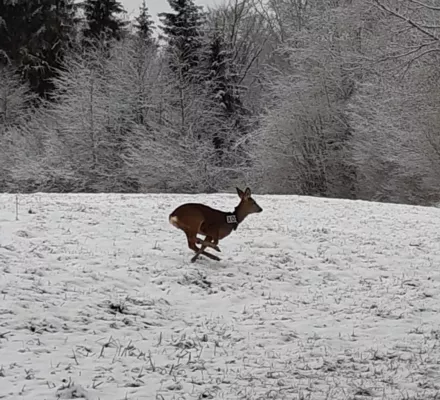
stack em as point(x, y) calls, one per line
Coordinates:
point(231, 218)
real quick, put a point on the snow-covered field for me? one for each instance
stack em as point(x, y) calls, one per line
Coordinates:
point(313, 299)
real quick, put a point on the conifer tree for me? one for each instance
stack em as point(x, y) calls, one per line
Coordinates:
point(34, 37)
point(102, 21)
point(223, 77)
point(144, 24)
point(223, 84)
point(183, 32)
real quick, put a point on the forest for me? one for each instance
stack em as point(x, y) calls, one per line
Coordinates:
point(329, 98)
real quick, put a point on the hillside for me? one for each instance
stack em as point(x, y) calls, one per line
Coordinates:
point(313, 299)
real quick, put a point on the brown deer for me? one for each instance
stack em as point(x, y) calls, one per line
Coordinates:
point(195, 218)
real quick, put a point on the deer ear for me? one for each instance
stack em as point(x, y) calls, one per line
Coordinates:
point(240, 193)
point(247, 193)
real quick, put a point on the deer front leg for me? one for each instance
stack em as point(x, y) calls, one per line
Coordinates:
point(206, 254)
point(201, 251)
point(208, 243)
point(205, 243)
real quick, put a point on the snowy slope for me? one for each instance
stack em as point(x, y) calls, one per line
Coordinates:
point(313, 299)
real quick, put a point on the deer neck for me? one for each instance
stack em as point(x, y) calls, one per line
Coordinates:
point(236, 217)
point(240, 214)
point(232, 219)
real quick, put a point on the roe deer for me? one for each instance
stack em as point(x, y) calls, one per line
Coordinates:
point(195, 218)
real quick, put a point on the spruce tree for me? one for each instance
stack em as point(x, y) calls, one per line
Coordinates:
point(144, 24)
point(183, 32)
point(222, 81)
point(222, 77)
point(34, 36)
point(102, 21)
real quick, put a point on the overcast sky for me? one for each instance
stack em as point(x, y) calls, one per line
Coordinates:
point(158, 6)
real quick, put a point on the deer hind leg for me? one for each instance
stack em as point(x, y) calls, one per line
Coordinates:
point(202, 249)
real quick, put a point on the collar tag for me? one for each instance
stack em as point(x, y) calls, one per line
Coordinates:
point(231, 219)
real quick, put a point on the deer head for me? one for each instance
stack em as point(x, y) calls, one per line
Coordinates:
point(247, 204)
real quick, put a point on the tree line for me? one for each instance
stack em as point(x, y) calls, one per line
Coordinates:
point(332, 98)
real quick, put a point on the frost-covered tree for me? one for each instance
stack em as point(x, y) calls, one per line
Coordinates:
point(177, 154)
point(76, 137)
point(133, 73)
point(90, 121)
point(17, 103)
point(16, 98)
point(395, 144)
point(302, 144)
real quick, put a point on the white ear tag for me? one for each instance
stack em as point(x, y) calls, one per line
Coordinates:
point(231, 219)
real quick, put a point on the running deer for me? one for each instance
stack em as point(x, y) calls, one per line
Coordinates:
point(215, 225)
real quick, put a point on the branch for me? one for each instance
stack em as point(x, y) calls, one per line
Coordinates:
point(408, 53)
point(256, 55)
point(425, 5)
point(410, 63)
point(409, 21)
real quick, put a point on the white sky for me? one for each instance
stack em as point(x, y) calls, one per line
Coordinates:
point(158, 6)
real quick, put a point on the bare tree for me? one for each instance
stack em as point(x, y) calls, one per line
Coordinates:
point(419, 29)
point(16, 98)
point(393, 112)
point(304, 133)
point(16, 110)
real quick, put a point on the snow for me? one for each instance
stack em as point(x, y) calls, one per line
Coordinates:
point(313, 299)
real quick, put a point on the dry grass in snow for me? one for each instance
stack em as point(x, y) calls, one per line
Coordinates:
point(313, 299)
